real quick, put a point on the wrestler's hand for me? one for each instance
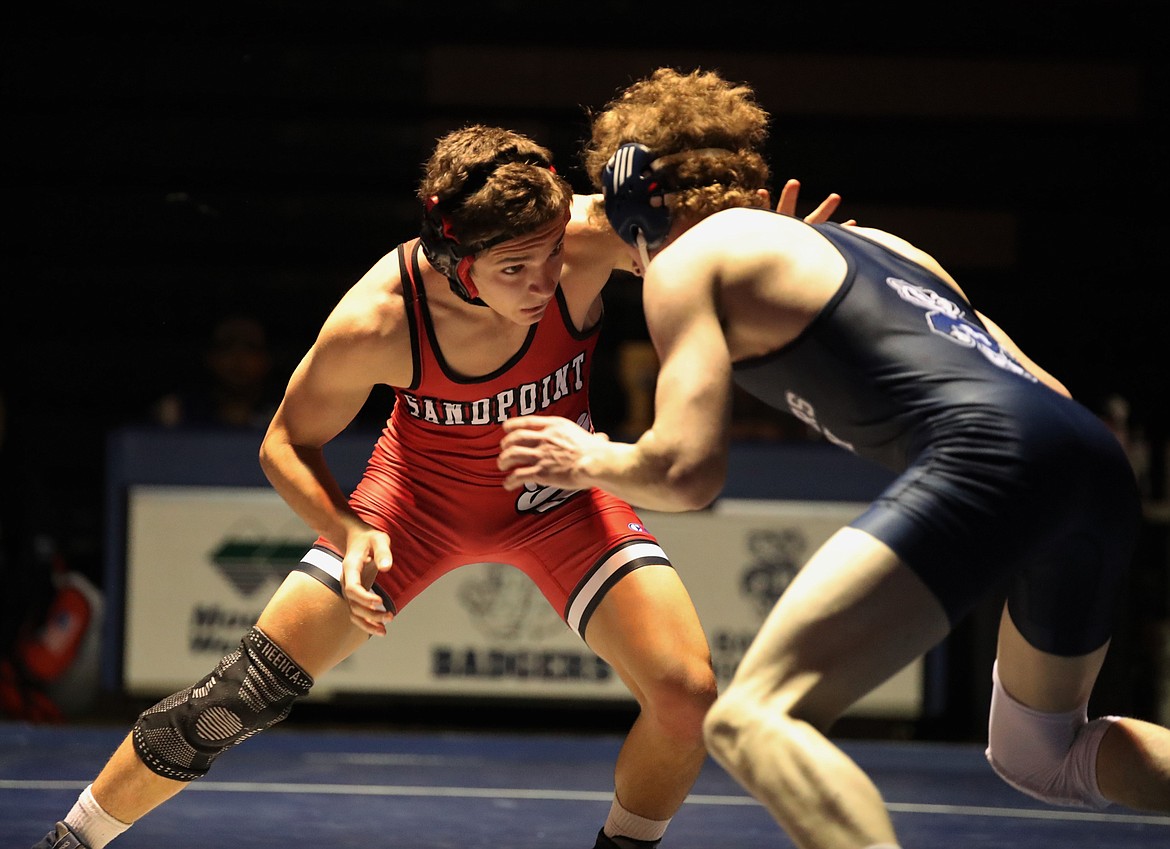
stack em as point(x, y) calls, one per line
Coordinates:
point(547, 450)
point(824, 211)
point(367, 552)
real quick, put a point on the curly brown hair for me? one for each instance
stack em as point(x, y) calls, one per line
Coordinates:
point(672, 112)
point(493, 184)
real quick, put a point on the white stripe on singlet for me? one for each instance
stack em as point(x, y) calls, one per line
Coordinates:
point(326, 561)
point(324, 564)
point(589, 593)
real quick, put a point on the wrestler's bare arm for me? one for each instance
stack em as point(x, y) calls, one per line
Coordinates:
point(592, 253)
point(680, 462)
point(692, 399)
point(364, 341)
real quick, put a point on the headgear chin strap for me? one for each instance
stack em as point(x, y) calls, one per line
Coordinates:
point(635, 194)
point(442, 247)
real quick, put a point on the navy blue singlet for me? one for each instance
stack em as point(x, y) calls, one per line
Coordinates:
point(1000, 477)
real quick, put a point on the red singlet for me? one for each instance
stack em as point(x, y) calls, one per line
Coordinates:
point(432, 483)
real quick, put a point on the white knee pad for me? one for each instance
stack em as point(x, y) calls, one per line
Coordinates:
point(1049, 756)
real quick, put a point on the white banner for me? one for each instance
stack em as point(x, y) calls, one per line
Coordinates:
point(203, 561)
point(738, 557)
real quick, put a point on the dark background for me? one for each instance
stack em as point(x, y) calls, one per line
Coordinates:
point(168, 163)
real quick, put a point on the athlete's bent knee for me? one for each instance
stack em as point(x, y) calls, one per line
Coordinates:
point(251, 689)
point(730, 725)
point(721, 728)
point(679, 703)
point(1049, 756)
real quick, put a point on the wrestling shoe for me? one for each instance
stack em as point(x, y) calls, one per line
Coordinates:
point(605, 842)
point(61, 837)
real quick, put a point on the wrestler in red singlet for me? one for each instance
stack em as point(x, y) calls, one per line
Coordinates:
point(432, 482)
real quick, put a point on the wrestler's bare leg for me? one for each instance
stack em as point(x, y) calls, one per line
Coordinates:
point(647, 629)
point(1133, 761)
point(307, 620)
point(853, 617)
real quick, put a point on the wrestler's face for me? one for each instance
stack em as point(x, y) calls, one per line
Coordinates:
point(519, 277)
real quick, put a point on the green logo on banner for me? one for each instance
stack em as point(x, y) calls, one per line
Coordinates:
point(249, 564)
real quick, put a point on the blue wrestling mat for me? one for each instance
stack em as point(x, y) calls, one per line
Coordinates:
point(316, 789)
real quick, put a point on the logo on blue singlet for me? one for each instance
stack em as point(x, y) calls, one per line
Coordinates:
point(803, 410)
point(946, 318)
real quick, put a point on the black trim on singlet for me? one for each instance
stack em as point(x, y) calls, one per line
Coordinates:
point(818, 319)
point(579, 335)
point(660, 559)
point(411, 292)
point(316, 572)
point(450, 373)
point(599, 596)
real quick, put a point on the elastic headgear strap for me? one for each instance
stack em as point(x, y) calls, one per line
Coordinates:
point(441, 245)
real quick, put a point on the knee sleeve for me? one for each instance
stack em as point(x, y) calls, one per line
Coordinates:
point(251, 689)
point(1049, 756)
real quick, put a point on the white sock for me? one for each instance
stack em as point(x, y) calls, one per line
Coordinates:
point(625, 824)
point(91, 822)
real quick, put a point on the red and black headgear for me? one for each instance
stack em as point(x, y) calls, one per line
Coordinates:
point(440, 242)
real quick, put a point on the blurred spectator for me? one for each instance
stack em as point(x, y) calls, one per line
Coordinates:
point(1117, 414)
point(27, 584)
point(235, 389)
point(637, 375)
point(1143, 637)
point(49, 614)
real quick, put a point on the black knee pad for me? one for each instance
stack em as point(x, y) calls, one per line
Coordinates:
point(251, 689)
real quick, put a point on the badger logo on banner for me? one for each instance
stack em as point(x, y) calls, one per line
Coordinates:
point(504, 604)
point(507, 608)
point(776, 558)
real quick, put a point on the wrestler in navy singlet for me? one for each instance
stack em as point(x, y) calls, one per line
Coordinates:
point(1000, 475)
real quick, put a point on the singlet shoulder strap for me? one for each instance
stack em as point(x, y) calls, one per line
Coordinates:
point(413, 297)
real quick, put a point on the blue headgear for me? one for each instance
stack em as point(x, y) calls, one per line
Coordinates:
point(631, 182)
point(628, 186)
